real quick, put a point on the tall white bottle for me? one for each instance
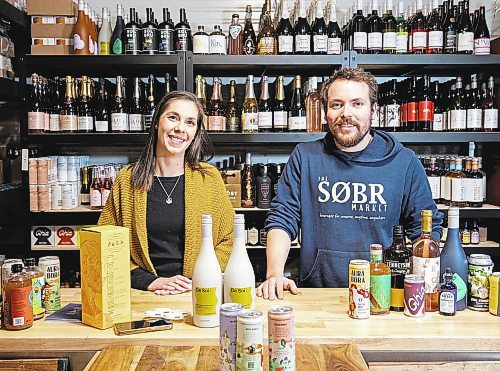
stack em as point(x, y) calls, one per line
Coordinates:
point(207, 280)
point(105, 33)
point(239, 277)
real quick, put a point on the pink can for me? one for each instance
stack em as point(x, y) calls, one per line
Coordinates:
point(414, 287)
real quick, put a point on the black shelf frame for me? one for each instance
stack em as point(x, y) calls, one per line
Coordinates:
point(9, 89)
point(16, 16)
point(483, 213)
point(64, 218)
point(10, 195)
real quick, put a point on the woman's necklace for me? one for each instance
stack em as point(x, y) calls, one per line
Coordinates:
point(168, 200)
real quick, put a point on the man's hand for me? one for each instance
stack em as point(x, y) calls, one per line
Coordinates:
point(170, 285)
point(273, 287)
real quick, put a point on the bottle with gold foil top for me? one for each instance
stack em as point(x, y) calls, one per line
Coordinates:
point(267, 34)
point(250, 110)
point(37, 286)
point(36, 116)
point(18, 312)
point(119, 114)
point(239, 277)
point(380, 282)
point(265, 110)
point(200, 95)
point(233, 112)
point(280, 111)
point(69, 116)
point(85, 114)
point(216, 112)
point(85, 189)
point(426, 262)
point(248, 184)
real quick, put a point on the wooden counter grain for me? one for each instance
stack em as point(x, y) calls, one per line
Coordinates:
point(320, 318)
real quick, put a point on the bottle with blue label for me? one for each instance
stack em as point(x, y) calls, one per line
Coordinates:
point(453, 256)
point(448, 295)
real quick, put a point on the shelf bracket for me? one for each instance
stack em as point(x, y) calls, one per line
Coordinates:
point(353, 59)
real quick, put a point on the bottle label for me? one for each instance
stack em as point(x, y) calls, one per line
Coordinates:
point(446, 119)
point(46, 119)
point(234, 31)
point(36, 121)
point(285, 44)
point(482, 46)
point(473, 189)
point(412, 111)
point(54, 123)
point(445, 188)
point(458, 119)
point(263, 237)
point(334, 45)
point(119, 122)
point(397, 298)
point(375, 121)
point(69, 122)
point(136, 122)
point(36, 299)
point(380, 291)
point(150, 39)
point(249, 47)
point(132, 45)
point(389, 40)
point(465, 237)
point(118, 46)
point(375, 41)
point(85, 123)
point(95, 198)
point(265, 120)
point(403, 113)
point(92, 46)
point(78, 42)
point(280, 119)
point(474, 237)
point(429, 269)
point(491, 118)
point(419, 40)
point(234, 124)
point(101, 126)
point(297, 123)
point(182, 43)
point(250, 121)
point(104, 48)
point(474, 118)
point(166, 42)
point(447, 299)
point(206, 301)
point(104, 196)
point(435, 39)
point(457, 189)
point(461, 287)
point(85, 198)
point(201, 44)
point(266, 45)
point(217, 44)
point(402, 42)
point(426, 111)
point(148, 119)
point(437, 124)
point(435, 184)
point(18, 309)
point(253, 236)
point(360, 40)
point(302, 43)
point(216, 123)
point(450, 39)
point(320, 43)
point(466, 41)
point(241, 295)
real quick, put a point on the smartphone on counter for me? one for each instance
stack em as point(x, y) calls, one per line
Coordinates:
point(145, 325)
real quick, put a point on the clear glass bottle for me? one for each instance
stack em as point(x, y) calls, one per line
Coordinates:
point(313, 107)
point(250, 109)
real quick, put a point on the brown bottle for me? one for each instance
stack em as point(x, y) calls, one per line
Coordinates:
point(18, 312)
point(249, 39)
point(216, 112)
point(81, 32)
point(267, 34)
point(37, 285)
point(235, 38)
point(247, 184)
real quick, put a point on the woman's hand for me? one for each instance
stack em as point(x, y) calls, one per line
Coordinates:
point(170, 285)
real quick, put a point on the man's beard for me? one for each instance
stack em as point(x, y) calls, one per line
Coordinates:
point(348, 140)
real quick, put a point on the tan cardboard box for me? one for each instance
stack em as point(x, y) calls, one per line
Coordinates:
point(232, 181)
point(52, 7)
point(51, 49)
point(52, 30)
point(105, 275)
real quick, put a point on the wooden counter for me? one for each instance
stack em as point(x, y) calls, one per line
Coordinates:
point(320, 318)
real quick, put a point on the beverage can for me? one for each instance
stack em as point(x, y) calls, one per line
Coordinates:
point(414, 295)
point(480, 269)
point(50, 267)
point(495, 293)
point(359, 289)
point(56, 196)
point(250, 340)
point(227, 335)
point(281, 338)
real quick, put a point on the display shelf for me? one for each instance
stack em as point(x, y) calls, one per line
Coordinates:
point(13, 14)
point(487, 211)
point(57, 248)
point(9, 89)
point(10, 195)
point(481, 245)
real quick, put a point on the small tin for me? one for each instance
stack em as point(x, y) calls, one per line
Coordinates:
point(227, 335)
point(414, 287)
point(250, 340)
point(495, 294)
point(359, 289)
point(51, 268)
point(281, 336)
point(480, 269)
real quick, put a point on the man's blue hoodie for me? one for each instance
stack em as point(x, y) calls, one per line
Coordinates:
point(344, 202)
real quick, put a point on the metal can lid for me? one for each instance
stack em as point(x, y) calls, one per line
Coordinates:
point(414, 278)
point(232, 307)
point(359, 262)
point(496, 274)
point(250, 313)
point(49, 258)
point(480, 259)
point(280, 309)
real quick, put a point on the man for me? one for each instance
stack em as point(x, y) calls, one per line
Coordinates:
point(345, 192)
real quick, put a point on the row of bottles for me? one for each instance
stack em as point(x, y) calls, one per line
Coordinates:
point(423, 105)
point(58, 105)
point(456, 181)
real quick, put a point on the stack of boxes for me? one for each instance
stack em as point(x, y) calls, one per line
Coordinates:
point(52, 23)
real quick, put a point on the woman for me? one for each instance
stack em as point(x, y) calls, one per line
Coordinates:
point(162, 196)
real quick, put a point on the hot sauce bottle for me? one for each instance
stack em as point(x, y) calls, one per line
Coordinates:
point(17, 307)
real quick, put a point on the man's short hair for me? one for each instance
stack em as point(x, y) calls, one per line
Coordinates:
point(351, 74)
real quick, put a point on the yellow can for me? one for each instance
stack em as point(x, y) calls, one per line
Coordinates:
point(359, 289)
point(495, 293)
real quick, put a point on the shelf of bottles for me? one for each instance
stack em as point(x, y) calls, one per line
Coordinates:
point(13, 14)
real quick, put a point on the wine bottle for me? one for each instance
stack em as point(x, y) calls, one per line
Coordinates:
point(375, 26)
point(450, 31)
point(250, 109)
point(69, 111)
point(81, 32)
point(389, 31)
point(438, 123)
point(425, 107)
point(392, 108)
point(457, 185)
point(248, 184)
point(334, 42)
point(201, 41)
point(490, 107)
point(182, 34)
point(402, 32)
point(319, 31)
point(302, 31)
point(280, 111)
point(419, 31)
point(116, 42)
point(150, 103)
point(263, 189)
point(239, 277)
point(297, 116)
point(235, 37)
point(207, 280)
point(216, 112)
point(36, 120)
point(267, 34)
point(358, 30)
point(132, 35)
point(136, 117)
point(474, 107)
point(481, 35)
point(465, 33)
point(232, 112)
point(119, 115)
point(458, 120)
point(313, 107)
point(105, 33)
point(55, 106)
point(101, 109)
point(150, 34)
point(265, 111)
point(435, 27)
point(412, 107)
point(249, 39)
point(166, 34)
point(85, 114)
point(284, 32)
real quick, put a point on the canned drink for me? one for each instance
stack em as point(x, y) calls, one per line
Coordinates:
point(414, 287)
point(281, 336)
point(72, 169)
point(56, 196)
point(33, 197)
point(495, 293)
point(43, 170)
point(43, 197)
point(62, 168)
point(480, 269)
point(52, 273)
point(227, 335)
point(33, 171)
point(250, 340)
point(359, 289)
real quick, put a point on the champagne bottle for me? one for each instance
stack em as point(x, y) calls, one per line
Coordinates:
point(69, 115)
point(36, 120)
point(232, 112)
point(119, 115)
point(250, 109)
point(319, 31)
point(132, 35)
point(166, 34)
point(249, 39)
point(136, 117)
point(116, 42)
point(302, 31)
point(101, 110)
point(334, 34)
point(85, 114)
point(284, 32)
point(265, 111)
point(216, 112)
point(280, 111)
point(149, 104)
point(239, 277)
point(297, 116)
point(207, 280)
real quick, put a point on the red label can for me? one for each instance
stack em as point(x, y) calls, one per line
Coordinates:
point(281, 338)
point(414, 287)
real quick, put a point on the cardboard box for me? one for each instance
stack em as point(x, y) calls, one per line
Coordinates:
point(52, 7)
point(42, 236)
point(52, 30)
point(232, 181)
point(51, 50)
point(66, 236)
point(105, 275)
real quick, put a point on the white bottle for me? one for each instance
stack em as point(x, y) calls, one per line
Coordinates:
point(239, 277)
point(207, 280)
point(105, 33)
